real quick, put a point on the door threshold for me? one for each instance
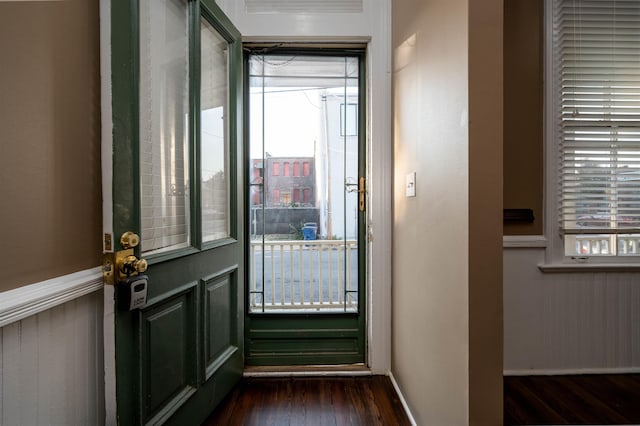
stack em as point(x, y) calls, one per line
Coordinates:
point(307, 370)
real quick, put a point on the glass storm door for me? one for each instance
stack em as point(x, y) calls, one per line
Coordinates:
point(305, 215)
point(176, 101)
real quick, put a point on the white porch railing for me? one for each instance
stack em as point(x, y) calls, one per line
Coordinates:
point(303, 275)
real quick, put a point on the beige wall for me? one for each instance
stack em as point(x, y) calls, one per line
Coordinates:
point(485, 211)
point(523, 162)
point(447, 285)
point(430, 344)
point(50, 220)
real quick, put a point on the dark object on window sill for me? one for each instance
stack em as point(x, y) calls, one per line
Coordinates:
point(517, 215)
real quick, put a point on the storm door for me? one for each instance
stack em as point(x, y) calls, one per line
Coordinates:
point(305, 206)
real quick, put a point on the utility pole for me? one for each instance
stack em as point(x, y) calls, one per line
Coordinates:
point(325, 117)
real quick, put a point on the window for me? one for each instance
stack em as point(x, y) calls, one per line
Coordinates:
point(276, 169)
point(296, 195)
point(305, 168)
point(257, 169)
point(595, 126)
point(287, 169)
point(256, 197)
point(285, 199)
point(296, 168)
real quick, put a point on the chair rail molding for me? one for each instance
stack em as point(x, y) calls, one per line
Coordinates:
point(35, 298)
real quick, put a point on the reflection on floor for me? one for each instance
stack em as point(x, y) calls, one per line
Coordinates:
point(369, 400)
point(603, 399)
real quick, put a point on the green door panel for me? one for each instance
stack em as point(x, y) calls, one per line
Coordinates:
point(221, 320)
point(167, 357)
point(292, 339)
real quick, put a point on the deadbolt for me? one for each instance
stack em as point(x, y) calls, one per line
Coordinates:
point(129, 240)
point(123, 264)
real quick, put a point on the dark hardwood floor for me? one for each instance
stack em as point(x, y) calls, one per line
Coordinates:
point(369, 400)
point(602, 399)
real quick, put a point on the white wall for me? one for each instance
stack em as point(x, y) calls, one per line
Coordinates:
point(562, 323)
point(51, 364)
point(430, 285)
point(364, 21)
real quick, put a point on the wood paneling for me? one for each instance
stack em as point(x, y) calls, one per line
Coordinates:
point(311, 401)
point(51, 366)
point(555, 322)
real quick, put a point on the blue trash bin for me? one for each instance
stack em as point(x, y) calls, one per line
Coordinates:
point(310, 231)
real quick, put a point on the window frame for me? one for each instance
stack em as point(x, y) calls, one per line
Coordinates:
point(555, 259)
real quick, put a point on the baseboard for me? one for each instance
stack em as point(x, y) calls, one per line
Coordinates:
point(35, 298)
point(402, 400)
point(572, 371)
point(307, 371)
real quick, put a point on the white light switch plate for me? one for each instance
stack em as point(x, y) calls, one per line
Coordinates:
point(410, 185)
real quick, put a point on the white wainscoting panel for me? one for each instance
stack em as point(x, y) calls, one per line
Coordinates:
point(51, 366)
point(572, 322)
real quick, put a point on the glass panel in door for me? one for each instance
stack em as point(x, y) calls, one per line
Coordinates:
point(164, 130)
point(213, 134)
point(304, 183)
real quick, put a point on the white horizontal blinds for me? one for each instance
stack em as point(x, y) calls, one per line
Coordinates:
point(598, 52)
point(214, 141)
point(164, 108)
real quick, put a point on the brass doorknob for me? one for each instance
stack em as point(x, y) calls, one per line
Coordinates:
point(132, 264)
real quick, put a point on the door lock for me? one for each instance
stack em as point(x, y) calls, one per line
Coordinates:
point(131, 265)
point(123, 264)
point(129, 240)
point(360, 189)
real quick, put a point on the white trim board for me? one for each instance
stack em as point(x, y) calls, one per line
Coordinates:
point(402, 400)
point(35, 298)
point(524, 241)
point(572, 371)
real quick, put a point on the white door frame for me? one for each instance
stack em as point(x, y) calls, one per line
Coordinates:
point(373, 26)
point(107, 210)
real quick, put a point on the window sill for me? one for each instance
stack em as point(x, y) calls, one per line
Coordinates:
point(588, 267)
point(524, 241)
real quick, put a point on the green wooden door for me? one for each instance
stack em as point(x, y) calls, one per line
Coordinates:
point(176, 109)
